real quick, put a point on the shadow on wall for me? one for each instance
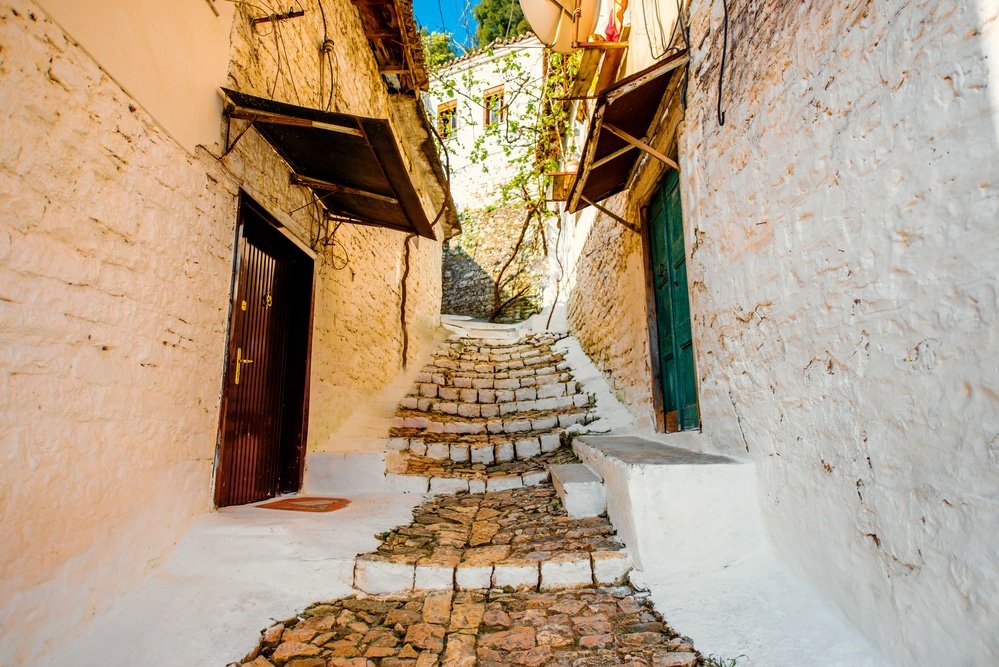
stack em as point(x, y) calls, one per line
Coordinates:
point(468, 290)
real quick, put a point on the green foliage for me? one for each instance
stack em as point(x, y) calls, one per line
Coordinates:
point(437, 48)
point(497, 19)
point(531, 140)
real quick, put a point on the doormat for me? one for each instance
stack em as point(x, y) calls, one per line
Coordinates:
point(307, 504)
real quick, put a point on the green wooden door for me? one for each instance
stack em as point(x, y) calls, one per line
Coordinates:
point(669, 274)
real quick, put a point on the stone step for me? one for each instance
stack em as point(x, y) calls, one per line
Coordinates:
point(520, 423)
point(483, 368)
point(486, 452)
point(510, 404)
point(477, 345)
point(579, 489)
point(439, 381)
point(419, 474)
point(429, 385)
point(491, 356)
point(448, 483)
point(491, 395)
point(375, 575)
point(521, 538)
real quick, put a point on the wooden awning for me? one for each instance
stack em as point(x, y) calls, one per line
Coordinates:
point(619, 132)
point(352, 163)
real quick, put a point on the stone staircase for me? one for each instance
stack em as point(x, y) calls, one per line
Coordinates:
point(488, 415)
point(493, 570)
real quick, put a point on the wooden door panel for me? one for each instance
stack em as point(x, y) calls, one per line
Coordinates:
point(675, 341)
point(254, 442)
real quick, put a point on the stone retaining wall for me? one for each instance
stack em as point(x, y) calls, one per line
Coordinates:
point(473, 259)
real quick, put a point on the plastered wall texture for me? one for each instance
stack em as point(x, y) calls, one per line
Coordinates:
point(116, 250)
point(473, 259)
point(841, 243)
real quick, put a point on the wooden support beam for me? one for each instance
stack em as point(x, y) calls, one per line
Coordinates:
point(610, 156)
point(298, 179)
point(607, 46)
point(233, 111)
point(612, 214)
point(638, 143)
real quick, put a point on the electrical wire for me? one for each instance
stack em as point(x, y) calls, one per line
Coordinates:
point(290, 70)
point(277, 69)
point(648, 33)
point(509, 20)
point(721, 72)
point(325, 53)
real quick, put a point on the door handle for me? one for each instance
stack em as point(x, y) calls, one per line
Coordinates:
point(239, 362)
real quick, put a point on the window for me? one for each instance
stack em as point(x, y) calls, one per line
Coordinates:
point(492, 102)
point(447, 118)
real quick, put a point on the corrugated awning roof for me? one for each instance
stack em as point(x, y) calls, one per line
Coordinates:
point(619, 132)
point(352, 163)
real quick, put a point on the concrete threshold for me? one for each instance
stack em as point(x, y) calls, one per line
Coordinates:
point(692, 524)
point(232, 571)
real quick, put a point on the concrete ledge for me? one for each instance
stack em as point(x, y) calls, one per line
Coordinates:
point(345, 473)
point(581, 492)
point(673, 504)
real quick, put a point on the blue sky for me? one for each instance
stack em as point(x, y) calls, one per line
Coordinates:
point(457, 18)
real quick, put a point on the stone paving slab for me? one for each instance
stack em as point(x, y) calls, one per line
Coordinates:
point(594, 627)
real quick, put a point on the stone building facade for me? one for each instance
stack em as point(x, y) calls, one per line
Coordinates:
point(840, 244)
point(118, 225)
point(485, 101)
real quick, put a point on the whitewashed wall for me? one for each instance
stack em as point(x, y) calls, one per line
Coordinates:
point(518, 67)
point(116, 249)
point(843, 258)
point(844, 266)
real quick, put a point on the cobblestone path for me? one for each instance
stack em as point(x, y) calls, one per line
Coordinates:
point(497, 573)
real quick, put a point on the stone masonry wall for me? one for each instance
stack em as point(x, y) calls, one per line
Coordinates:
point(844, 275)
point(473, 259)
point(116, 251)
point(607, 308)
point(840, 232)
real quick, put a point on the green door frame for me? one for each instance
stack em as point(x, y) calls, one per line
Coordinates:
point(679, 410)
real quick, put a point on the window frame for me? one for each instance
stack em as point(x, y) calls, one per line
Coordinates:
point(487, 110)
point(447, 110)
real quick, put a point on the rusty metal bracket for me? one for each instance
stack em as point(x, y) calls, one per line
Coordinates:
point(274, 18)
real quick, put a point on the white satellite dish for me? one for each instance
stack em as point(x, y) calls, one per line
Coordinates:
point(551, 21)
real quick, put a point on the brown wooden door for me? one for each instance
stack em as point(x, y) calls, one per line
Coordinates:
point(263, 416)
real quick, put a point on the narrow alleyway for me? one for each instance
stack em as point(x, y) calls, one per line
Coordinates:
point(493, 571)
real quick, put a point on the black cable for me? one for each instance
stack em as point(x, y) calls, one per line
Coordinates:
point(721, 73)
point(648, 34)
